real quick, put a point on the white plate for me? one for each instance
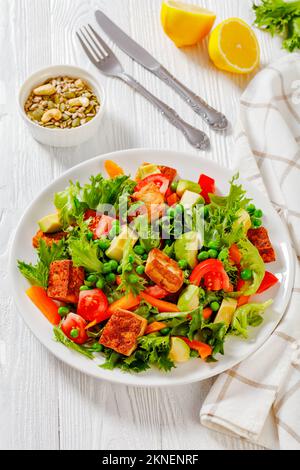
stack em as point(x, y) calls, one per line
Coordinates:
point(189, 167)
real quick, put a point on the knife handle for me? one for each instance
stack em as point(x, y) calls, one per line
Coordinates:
point(195, 137)
point(211, 116)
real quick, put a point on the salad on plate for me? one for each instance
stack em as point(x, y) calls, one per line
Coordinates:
point(150, 271)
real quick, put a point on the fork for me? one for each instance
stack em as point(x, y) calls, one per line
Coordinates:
point(105, 60)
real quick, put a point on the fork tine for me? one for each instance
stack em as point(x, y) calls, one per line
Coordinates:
point(101, 51)
point(86, 49)
point(103, 43)
point(96, 54)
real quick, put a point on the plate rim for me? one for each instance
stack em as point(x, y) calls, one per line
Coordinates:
point(111, 377)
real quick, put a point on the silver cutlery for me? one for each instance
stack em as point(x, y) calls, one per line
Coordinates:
point(105, 60)
point(211, 116)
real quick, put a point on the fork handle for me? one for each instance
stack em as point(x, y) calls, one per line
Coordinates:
point(195, 137)
point(211, 116)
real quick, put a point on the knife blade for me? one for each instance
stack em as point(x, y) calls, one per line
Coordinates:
point(211, 116)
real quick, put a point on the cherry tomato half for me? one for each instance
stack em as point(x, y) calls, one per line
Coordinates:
point(73, 327)
point(159, 180)
point(93, 305)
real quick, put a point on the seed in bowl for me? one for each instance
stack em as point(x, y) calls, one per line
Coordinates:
point(62, 103)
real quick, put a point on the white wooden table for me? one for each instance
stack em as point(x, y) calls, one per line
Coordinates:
point(45, 404)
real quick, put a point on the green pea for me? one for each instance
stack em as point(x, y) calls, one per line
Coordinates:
point(251, 208)
point(92, 278)
point(100, 283)
point(145, 256)
point(74, 333)
point(182, 263)
point(165, 331)
point(256, 223)
point(178, 209)
point(258, 213)
point(120, 269)
point(82, 288)
point(90, 235)
point(129, 267)
point(212, 253)
point(174, 186)
point(107, 268)
point(133, 279)
point(97, 347)
point(139, 250)
point(113, 265)
point(110, 277)
point(63, 311)
point(246, 274)
point(140, 270)
point(131, 259)
point(171, 212)
point(104, 244)
point(203, 255)
point(213, 244)
point(215, 306)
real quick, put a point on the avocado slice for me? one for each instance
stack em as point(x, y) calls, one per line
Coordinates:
point(187, 248)
point(147, 170)
point(226, 311)
point(50, 223)
point(190, 199)
point(180, 351)
point(189, 299)
point(186, 185)
point(244, 219)
point(116, 249)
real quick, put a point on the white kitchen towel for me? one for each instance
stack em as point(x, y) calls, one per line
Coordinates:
point(259, 400)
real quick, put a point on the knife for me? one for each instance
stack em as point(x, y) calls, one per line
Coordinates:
point(211, 116)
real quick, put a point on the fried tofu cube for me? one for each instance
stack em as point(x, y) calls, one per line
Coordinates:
point(64, 281)
point(153, 199)
point(260, 239)
point(122, 331)
point(49, 238)
point(164, 271)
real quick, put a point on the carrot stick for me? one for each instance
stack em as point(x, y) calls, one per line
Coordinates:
point(89, 325)
point(154, 327)
point(161, 305)
point(113, 169)
point(47, 306)
point(127, 302)
point(207, 312)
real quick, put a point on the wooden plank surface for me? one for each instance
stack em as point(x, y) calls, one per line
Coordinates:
point(44, 403)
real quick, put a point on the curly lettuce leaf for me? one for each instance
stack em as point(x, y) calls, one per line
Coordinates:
point(62, 338)
point(248, 315)
point(106, 191)
point(84, 253)
point(69, 204)
point(38, 274)
point(130, 258)
point(251, 259)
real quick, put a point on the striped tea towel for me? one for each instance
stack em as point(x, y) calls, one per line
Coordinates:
point(259, 400)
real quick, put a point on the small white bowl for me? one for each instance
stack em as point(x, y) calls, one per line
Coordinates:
point(62, 137)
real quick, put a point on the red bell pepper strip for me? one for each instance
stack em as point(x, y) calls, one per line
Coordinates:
point(172, 199)
point(47, 306)
point(207, 185)
point(203, 349)
point(161, 305)
point(215, 269)
point(268, 281)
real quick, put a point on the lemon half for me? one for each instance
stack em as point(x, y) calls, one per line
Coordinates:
point(185, 24)
point(233, 46)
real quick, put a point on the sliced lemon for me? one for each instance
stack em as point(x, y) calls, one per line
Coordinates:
point(233, 46)
point(185, 24)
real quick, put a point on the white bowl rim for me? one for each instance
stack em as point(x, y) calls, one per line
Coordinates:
point(85, 72)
